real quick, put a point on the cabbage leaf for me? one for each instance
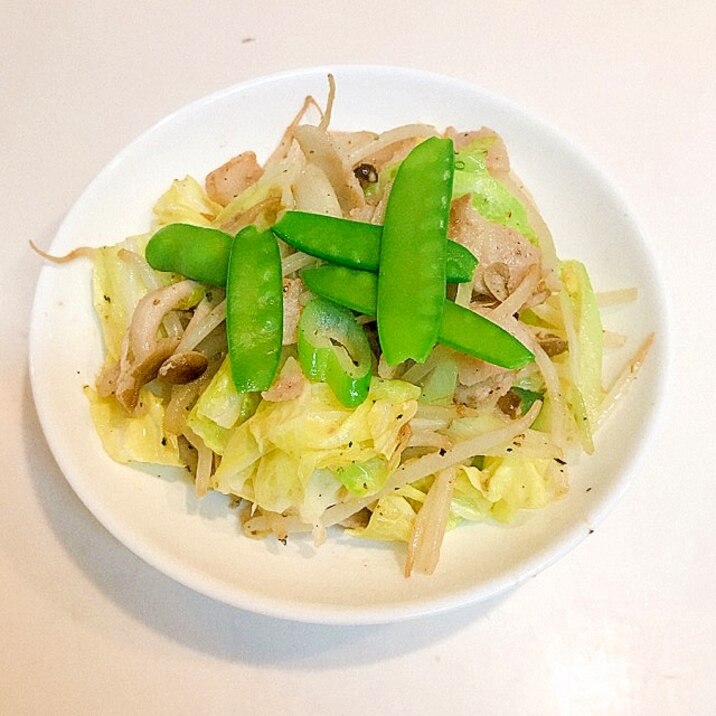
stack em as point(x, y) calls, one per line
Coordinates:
point(278, 455)
point(219, 408)
point(185, 202)
point(583, 325)
point(117, 287)
point(490, 197)
point(140, 438)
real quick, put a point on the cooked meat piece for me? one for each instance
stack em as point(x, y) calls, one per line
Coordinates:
point(481, 383)
point(505, 256)
point(230, 179)
point(497, 158)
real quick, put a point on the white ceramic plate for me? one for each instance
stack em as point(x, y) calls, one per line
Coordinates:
point(198, 543)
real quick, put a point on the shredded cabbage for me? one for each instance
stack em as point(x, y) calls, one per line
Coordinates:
point(391, 521)
point(185, 202)
point(271, 457)
point(438, 387)
point(499, 491)
point(583, 325)
point(219, 408)
point(117, 285)
point(134, 439)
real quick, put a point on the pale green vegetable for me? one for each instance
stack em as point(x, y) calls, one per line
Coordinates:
point(468, 499)
point(219, 408)
point(121, 277)
point(134, 439)
point(276, 486)
point(464, 428)
point(583, 326)
point(272, 457)
point(503, 487)
point(438, 387)
point(363, 478)
point(320, 492)
point(185, 202)
point(490, 197)
point(511, 484)
point(391, 521)
point(117, 286)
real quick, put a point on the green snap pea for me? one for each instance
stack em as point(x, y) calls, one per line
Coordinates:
point(202, 253)
point(413, 247)
point(342, 241)
point(356, 244)
point(197, 252)
point(460, 328)
point(254, 309)
point(357, 290)
point(474, 334)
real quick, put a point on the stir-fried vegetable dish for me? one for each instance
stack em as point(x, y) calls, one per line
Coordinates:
point(368, 331)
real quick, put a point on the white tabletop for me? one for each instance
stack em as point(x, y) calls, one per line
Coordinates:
point(623, 624)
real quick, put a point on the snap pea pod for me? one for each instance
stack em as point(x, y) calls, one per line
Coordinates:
point(202, 253)
point(334, 349)
point(413, 247)
point(254, 309)
point(460, 328)
point(357, 290)
point(356, 244)
point(197, 252)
